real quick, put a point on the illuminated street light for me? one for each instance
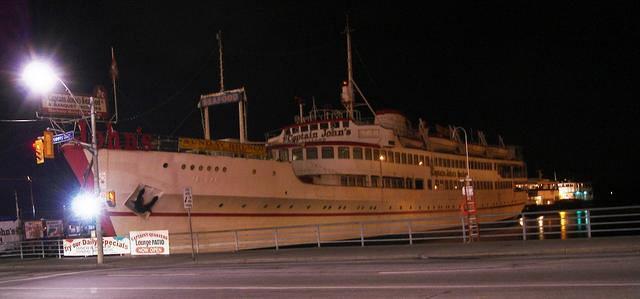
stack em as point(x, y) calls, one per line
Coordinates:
point(41, 77)
point(85, 206)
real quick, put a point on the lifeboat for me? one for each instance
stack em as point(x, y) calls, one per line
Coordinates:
point(439, 144)
point(497, 152)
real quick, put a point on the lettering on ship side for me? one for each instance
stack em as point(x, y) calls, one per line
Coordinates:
point(319, 135)
point(448, 173)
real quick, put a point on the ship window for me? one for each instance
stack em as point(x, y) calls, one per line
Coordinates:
point(165, 165)
point(389, 157)
point(283, 155)
point(376, 154)
point(294, 130)
point(345, 124)
point(327, 152)
point(313, 127)
point(375, 181)
point(397, 157)
point(304, 128)
point(296, 154)
point(192, 167)
point(343, 180)
point(404, 158)
point(419, 184)
point(367, 154)
point(200, 168)
point(343, 152)
point(324, 126)
point(357, 153)
point(409, 159)
point(312, 153)
point(408, 183)
point(335, 124)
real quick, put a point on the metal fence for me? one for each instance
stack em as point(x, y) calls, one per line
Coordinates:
point(565, 224)
point(562, 224)
point(32, 249)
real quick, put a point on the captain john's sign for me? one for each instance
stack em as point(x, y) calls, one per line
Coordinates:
point(65, 106)
point(230, 96)
point(317, 135)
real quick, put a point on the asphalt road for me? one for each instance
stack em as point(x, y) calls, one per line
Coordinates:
point(584, 276)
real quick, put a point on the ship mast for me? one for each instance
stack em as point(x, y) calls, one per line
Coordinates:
point(347, 89)
point(349, 85)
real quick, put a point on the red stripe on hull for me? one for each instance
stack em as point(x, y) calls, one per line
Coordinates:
point(293, 214)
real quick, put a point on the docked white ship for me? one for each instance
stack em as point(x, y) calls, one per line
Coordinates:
point(328, 166)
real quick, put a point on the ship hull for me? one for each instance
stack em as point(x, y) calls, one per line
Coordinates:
point(239, 194)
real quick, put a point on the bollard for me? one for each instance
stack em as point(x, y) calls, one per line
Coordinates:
point(21, 254)
point(361, 235)
point(42, 248)
point(59, 243)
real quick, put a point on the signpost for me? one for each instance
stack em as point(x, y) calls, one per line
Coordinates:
point(188, 204)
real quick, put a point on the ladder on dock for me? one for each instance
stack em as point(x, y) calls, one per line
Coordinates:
point(471, 212)
point(472, 220)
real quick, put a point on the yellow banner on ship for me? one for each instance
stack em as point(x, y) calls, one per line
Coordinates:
point(222, 146)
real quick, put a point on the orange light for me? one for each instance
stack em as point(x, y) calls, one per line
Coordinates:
point(38, 146)
point(111, 199)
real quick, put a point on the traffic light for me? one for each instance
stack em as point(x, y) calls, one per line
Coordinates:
point(48, 144)
point(38, 147)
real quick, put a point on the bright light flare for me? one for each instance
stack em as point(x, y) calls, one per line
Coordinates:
point(39, 76)
point(85, 205)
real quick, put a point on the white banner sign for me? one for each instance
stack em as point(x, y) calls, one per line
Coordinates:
point(149, 242)
point(8, 234)
point(89, 246)
point(229, 96)
point(63, 105)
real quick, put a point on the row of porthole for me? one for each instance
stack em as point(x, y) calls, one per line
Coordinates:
point(200, 168)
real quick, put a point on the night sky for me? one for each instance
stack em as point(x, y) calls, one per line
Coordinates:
point(554, 77)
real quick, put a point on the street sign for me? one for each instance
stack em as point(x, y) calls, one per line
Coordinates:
point(64, 137)
point(188, 198)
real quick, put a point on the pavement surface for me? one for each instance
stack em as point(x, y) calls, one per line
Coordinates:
point(481, 249)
